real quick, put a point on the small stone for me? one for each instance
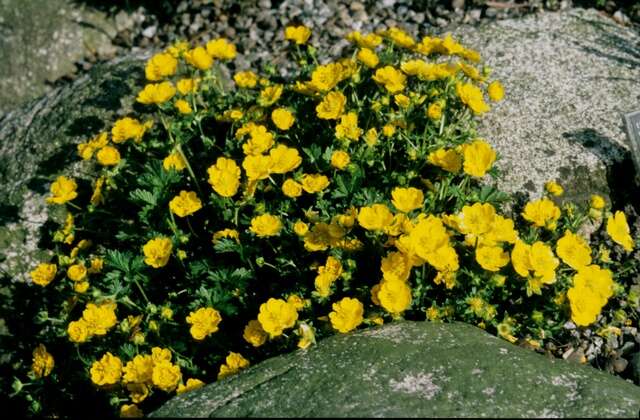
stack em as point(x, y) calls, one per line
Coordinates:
point(123, 21)
point(457, 4)
point(356, 5)
point(491, 12)
point(621, 18)
point(620, 364)
point(150, 31)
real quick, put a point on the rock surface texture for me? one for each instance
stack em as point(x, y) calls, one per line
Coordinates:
point(569, 78)
point(38, 143)
point(412, 369)
point(39, 42)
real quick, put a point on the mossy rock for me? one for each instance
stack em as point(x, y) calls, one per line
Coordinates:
point(412, 369)
point(38, 142)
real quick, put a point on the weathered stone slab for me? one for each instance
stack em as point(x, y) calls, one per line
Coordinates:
point(569, 78)
point(412, 369)
point(39, 42)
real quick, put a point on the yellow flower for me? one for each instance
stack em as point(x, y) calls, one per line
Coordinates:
point(166, 375)
point(282, 118)
point(573, 250)
point(429, 240)
point(401, 100)
point(156, 93)
point(434, 111)
point(77, 272)
point(157, 252)
point(375, 217)
point(254, 334)
point(234, 364)
point(299, 34)
point(100, 318)
point(478, 158)
point(471, 96)
point(495, 91)
point(399, 37)
point(313, 183)
point(300, 228)
point(183, 106)
point(184, 204)
point(346, 315)
point(130, 411)
point(392, 79)
point(395, 267)
point(492, 258)
point(277, 315)
point(332, 106)
point(447, 159)
point(127, 128)
point(394, 296)
point(159, 66)
point(63, 189)
point(270, 95)
point(597, 202)
point(166, 313)
point(257, 166)
point(348, 128)
point(476, 219)
point(537, 258)
point(364, 41)
point(542, 213)
point(618, 230)
point(204, 322)
point(191, 384)
point(284, 159)
point(291, 188)
point(340, 159)
point(108, 156)
point(246, 79)
point(407, 199)
point(199, 58)
point(591, 290)
point(368, 57)
point(106, 371)
point(221, 49)
point(174, 161)
point(326, 77)
point(78, 331)
point(138, 370)
point(265, 225)
point(371, 137)
point(225, 233)
point(554, 188)
point(42, 362)
point(224, 177)
point(43, 274)
point(388, 130)
point(186, 86)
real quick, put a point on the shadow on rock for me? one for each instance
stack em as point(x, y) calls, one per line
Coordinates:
point(620, 173)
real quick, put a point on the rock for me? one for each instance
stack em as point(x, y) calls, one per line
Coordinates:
point(621, 18)
point(38, 142)
point(568, 77)
point(412, 369)
point(41, 40)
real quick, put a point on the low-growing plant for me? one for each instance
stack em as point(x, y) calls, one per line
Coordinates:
point(230, 223)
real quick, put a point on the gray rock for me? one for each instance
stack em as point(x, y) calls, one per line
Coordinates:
point(412, 369)
point(568, 78)
point(38, 142)
point(41, 40)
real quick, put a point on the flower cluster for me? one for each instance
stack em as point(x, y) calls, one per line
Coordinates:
point(232, 220)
